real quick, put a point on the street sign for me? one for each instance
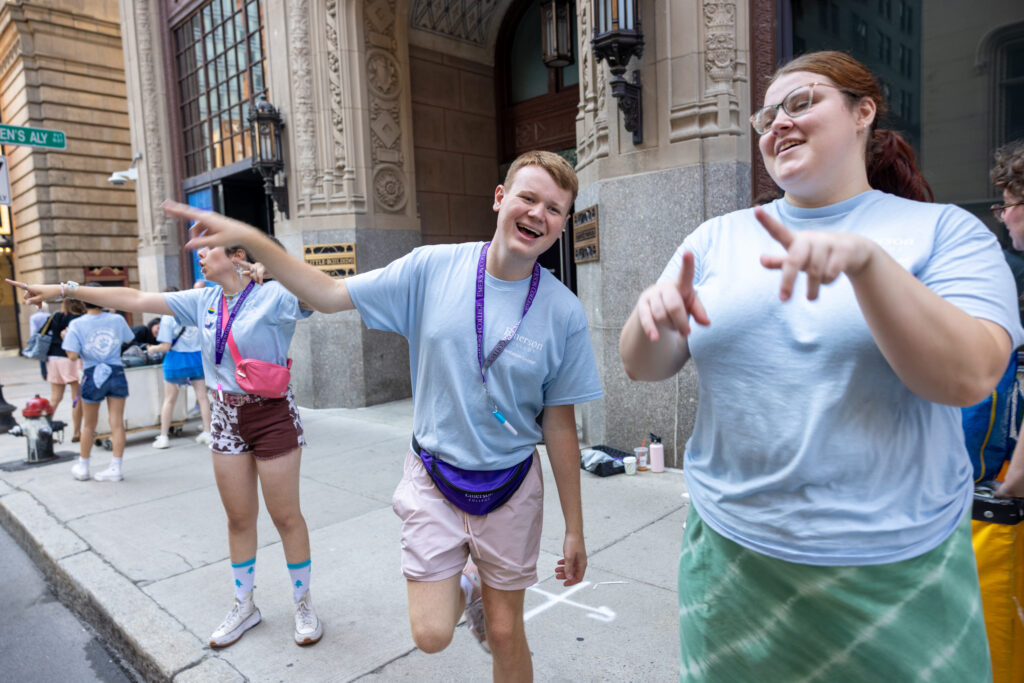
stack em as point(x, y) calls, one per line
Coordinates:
point(5, 182)
point(32, 137)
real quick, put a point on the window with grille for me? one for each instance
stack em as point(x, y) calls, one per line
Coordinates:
point(1010, 88)
point(220, 69)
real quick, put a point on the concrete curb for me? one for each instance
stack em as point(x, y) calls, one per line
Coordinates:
point(151, 641)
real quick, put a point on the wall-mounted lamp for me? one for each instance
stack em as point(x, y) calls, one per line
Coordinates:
point(265, 126)
point(618, 38)
point(556, 33)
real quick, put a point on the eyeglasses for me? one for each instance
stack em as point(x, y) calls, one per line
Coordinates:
point(797, 103)
point(998, 209)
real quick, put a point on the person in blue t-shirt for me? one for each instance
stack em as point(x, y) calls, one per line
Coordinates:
point(493, 340)
point(829, 535)
point(96, 338)
point(255, 439)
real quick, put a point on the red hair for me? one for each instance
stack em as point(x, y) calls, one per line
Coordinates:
point(891, 162)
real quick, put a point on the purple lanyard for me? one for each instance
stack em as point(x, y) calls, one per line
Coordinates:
point(221, 335)
point(481, 268)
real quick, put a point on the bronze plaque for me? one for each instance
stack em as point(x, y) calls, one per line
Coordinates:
point(337, 260)
point(584, 235)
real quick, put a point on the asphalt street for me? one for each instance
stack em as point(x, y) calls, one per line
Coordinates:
point(40, 640)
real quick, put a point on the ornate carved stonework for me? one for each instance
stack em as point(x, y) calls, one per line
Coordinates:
point(160, 227)
point(466, 20)
point(716, 111)
point(384, 88)
point(382, 74)
point(720, 42)
point(334, 82)
point(303, 119)
point(592, 118)
point(389, 188)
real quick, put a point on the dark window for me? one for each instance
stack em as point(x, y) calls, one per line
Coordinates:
point(884, 48)
point(1010, 89)
point(859, 32)
point(221, 66)
point(906, 61)
point(906, 13)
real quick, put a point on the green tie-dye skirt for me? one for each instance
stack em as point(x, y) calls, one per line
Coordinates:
point(744, 616)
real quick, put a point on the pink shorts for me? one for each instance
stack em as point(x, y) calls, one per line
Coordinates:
point(437, 536)
point(62, 370)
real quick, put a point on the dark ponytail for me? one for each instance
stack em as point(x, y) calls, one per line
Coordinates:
point(892, 167)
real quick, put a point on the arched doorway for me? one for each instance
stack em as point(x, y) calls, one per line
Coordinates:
point(536, 107)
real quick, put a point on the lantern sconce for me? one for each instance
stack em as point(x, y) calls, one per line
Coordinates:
point(556, 34)
point(617, 39)
point(265, 126)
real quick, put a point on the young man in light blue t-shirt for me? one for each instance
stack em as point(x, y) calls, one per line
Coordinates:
point(96, 337)
point(493, 340)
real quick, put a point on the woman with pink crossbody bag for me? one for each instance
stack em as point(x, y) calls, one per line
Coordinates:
point(245, 329)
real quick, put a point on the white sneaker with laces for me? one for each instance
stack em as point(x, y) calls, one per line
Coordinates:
point(203, 438)
point(242, 617)
point(308, 628)
point(161, 442)
point(110, 474)
point(80, 470)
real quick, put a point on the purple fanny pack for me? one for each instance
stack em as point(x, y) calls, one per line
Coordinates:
point(474, 492)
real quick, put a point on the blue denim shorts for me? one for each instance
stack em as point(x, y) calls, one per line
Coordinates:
point(116, 386)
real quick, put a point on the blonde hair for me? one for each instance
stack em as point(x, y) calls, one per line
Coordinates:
point(557, 167)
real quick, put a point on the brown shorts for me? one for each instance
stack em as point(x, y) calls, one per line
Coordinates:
point(266, 427)
point(437, 536)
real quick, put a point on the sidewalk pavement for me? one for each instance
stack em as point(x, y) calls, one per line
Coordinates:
point(145, 560)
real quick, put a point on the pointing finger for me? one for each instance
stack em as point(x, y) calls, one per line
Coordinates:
point(779, 232)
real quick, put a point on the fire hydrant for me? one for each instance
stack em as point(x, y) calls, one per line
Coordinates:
point(38, 429)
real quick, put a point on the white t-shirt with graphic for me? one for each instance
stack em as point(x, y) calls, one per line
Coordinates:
point(97, 338)
point(428, 296)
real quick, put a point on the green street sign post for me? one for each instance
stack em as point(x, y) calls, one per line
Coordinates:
point(32, 137)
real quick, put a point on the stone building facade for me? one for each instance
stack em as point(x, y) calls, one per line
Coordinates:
point(62, 68)
point(400, 115)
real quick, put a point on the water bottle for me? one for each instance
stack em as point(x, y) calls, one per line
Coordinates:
point(657, 454)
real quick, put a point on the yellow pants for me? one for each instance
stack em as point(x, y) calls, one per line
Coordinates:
point(999, 549)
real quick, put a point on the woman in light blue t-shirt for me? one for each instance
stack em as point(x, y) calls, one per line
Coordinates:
point(835, 332)
point(254, 439)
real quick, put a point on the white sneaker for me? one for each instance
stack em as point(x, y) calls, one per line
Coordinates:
point(80, 471)
point(161, 442)
point(308, 628)
point(242, 617)
point(203, 438)
point(110, 474)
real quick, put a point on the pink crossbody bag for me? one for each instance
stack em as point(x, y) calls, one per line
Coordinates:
point(259, 377)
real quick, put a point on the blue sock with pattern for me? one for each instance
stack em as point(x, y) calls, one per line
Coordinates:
point(245, 576)
point(300, 578)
